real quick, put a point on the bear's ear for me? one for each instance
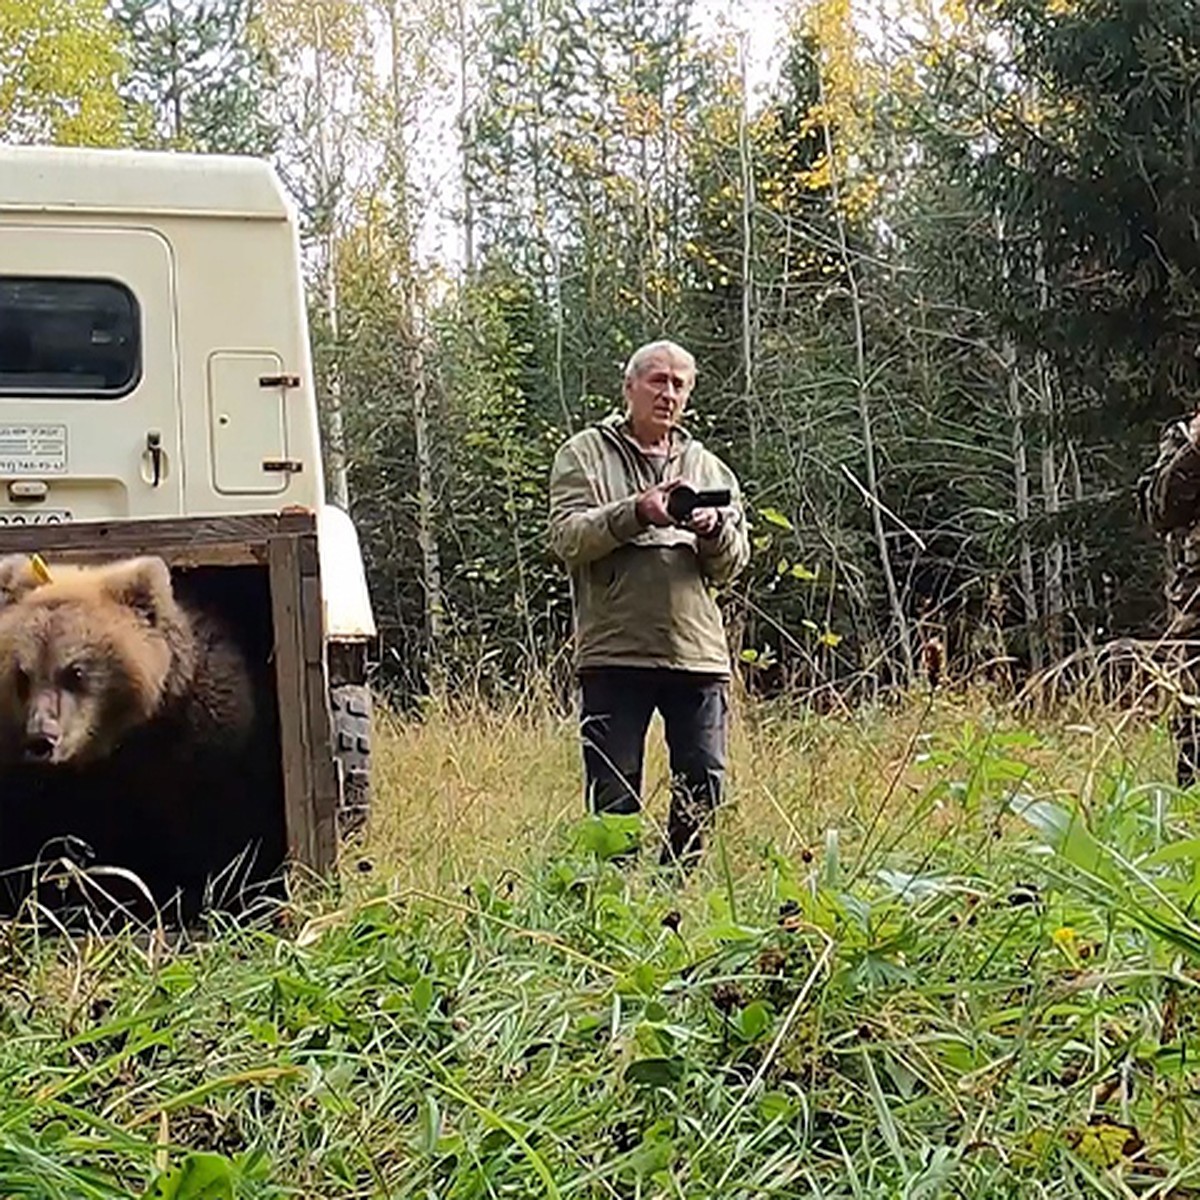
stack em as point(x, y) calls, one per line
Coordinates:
point(143, 584)
point(17, 578)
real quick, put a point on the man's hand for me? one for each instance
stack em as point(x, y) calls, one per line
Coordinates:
point(652, 504)
point(652, 510)
point(704, 521)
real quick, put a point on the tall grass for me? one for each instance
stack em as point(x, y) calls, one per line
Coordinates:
point(895, 973)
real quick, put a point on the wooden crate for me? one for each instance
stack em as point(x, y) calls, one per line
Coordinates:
point(285, 545)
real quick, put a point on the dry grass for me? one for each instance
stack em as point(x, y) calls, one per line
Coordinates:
point(470, 789)
point(460, 789)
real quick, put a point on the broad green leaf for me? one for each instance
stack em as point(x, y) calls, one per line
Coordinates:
point(1064, 831)
point(1188, 848)
point(776, 1106)
point(610, 834)
point(422, 995)
point(198, 1177)
point(773, 516)
point(655, 1072)
point(653, 1155)
point(431, 1124)
point(753, 1021)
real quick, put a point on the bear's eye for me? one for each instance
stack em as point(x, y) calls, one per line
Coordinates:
point(72, 678)
point(22, 682)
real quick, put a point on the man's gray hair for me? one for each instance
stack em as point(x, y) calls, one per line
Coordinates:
point(637, 360)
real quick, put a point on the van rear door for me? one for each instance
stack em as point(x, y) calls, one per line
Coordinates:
point(89, 416)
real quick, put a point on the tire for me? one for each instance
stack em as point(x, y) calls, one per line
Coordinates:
point(350, 706)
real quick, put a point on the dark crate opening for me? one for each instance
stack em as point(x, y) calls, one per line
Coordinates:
point(193, 843)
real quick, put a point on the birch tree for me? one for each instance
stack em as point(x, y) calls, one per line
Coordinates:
point(321, 105)
point(841, 96)
point(410, 30)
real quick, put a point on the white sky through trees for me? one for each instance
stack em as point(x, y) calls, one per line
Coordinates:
point(437, 159)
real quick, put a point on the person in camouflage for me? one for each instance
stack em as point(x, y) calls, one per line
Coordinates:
point(1169, 499)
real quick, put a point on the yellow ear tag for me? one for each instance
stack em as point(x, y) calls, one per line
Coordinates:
point(40, 570)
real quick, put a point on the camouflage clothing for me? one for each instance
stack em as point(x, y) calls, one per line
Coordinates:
point(1169, 494)
point(1169, 499)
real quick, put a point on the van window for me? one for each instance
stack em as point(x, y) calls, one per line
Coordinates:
point(68, 337)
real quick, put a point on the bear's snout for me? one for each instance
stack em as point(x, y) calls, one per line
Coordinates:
point(40, 747)
point(43, 727)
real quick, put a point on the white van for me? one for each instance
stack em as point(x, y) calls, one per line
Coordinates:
point(156, 393)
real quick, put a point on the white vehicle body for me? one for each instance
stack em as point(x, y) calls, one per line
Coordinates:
point(154, 354)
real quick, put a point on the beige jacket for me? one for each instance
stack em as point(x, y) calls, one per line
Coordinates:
point(642, 596)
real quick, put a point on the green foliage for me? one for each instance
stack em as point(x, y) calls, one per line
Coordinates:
point(200, 76)
point(608, 835)
point(507, 599)
point(838, 1022)
point(618, 185)
point(1096, 158)
point(60, 63)
point(198, 1177)
point(1079, 140)
point(969, 237)
point(1140, 873)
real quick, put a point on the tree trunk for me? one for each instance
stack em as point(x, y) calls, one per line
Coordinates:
point(862, 391)
point(427, 540)
point(1021, 487)
point(746, 164)
point(465, 133)
point(1055, 552)
point(339, 475)
point(413, 339)
point(1021, 479)
point(1083, 557)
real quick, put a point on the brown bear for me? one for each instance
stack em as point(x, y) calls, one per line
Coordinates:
point(128, 721)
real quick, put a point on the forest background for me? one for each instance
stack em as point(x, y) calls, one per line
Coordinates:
point(937, 261)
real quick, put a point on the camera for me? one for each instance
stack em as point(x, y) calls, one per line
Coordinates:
point(682, 501)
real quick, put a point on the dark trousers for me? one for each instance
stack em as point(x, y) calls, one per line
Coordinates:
point(1185, 724)
point(1186, 730)
point(616, 706)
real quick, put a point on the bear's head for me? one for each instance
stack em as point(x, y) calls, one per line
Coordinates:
point(88, 657)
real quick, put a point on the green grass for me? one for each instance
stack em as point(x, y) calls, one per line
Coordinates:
point(932, 952)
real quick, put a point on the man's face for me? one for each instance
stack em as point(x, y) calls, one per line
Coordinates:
point(658, 394)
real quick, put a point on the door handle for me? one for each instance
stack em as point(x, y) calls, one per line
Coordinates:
point(155, 450)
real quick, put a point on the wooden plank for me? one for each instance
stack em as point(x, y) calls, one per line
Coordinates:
point(323, 780)
point(182, 557)
point(284, 569)
point(207, 539)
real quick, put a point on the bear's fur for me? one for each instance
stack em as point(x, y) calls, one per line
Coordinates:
point(129, 719)
point(18, 576)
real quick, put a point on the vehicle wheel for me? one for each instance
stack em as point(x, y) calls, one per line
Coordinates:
point(350, 704)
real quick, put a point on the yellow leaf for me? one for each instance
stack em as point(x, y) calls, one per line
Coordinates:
point(1103, 1145)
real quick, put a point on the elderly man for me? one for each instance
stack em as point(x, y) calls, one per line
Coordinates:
point(648, 632)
